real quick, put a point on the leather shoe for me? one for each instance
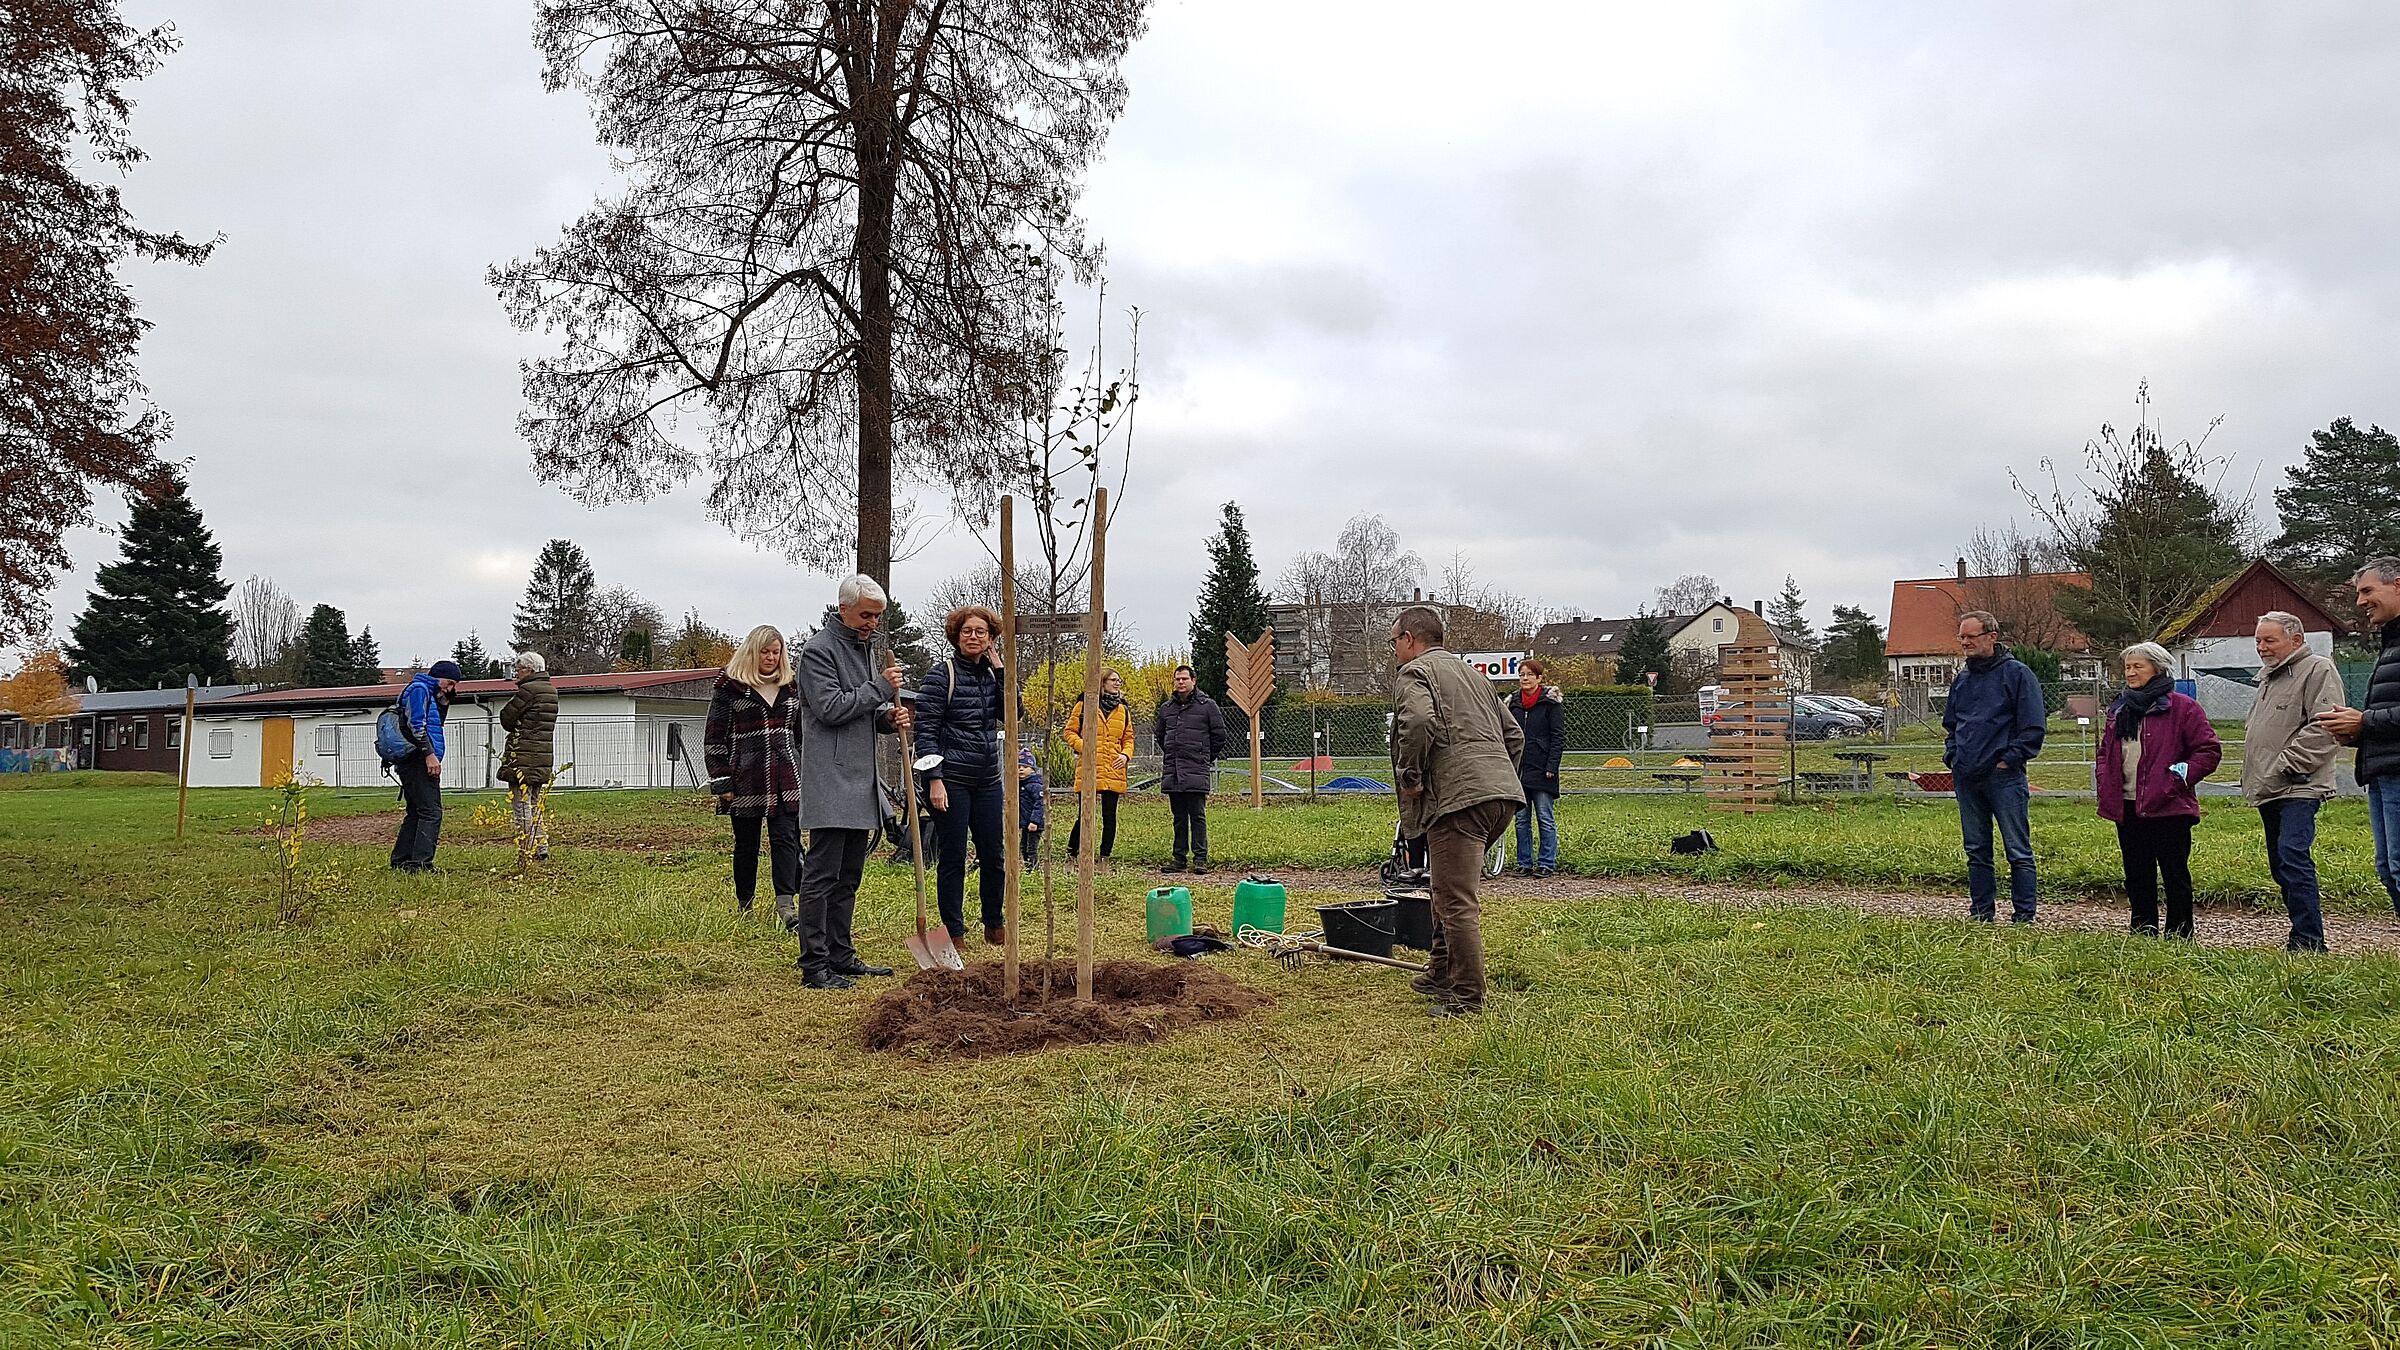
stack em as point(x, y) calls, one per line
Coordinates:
point(1173, 865)
point(995, 936)
point(1427, 985)
point(1199, 867)
point(824, 979)
point(860, 970)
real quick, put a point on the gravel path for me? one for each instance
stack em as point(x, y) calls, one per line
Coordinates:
point(2215, 927)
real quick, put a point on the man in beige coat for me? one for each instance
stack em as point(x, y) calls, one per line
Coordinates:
point(2288, 763)
point(1454, 760)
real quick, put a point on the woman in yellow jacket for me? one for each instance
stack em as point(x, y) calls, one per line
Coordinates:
point(1115, 751)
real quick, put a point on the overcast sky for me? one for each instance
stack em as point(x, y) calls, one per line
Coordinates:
point(1596, 294)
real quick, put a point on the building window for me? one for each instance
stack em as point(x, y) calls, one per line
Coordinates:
point(141, 734)
point(220, 744)
point(108, 733)
point(174, 733)
point(329, 740)
point(1718, 625)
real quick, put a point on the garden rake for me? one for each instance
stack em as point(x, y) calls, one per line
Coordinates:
point(1288, 948)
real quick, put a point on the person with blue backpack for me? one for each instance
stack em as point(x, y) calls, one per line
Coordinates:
point(409, 738)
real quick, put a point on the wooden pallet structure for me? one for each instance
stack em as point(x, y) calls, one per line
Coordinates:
point(1754, 720)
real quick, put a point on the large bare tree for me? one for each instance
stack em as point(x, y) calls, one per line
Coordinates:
point(829, 256)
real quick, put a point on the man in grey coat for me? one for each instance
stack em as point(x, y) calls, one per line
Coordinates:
point(844, 703)
point(2288, 764)
point(1454, 760)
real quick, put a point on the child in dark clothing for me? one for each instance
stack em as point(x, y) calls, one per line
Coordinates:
point(1030, 813)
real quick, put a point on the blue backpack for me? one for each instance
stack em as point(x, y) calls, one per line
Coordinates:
point(393, 739)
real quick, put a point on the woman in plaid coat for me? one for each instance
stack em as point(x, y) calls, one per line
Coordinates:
point(753, 753)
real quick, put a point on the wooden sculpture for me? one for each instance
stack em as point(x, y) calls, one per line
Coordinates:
point(1250, 679)
point(1754, 719)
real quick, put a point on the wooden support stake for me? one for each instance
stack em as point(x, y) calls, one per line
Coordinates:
point(183, 777)
point(1087, 774)
point(1011, 817)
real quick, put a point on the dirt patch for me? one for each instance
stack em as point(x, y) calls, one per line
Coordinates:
point(962, 1014)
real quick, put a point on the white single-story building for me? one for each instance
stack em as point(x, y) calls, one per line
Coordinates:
point(625, 729)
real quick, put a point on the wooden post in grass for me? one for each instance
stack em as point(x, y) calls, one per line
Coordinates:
point(183, 776)
point(1753, 722)
point(1250, 679)
point(1087, 773)
point(1011, 820)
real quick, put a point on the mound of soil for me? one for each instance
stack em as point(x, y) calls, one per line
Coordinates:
point(961, 1014)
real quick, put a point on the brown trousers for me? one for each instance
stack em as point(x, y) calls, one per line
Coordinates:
point(1454, 849)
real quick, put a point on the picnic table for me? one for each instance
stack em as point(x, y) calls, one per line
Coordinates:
point(1862, 767)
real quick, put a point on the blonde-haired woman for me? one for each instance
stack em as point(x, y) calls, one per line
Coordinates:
point(1112, 756)
point(754, 766)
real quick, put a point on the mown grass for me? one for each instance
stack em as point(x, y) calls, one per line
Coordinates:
point(590, 1108)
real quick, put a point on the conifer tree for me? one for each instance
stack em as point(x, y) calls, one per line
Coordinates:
point(1643, 652)
point(910, 646)
point(366, 659)
point(328, 658)
point(1230, 602)
point(558, 615)
point(158, 614)
point(2340, 504)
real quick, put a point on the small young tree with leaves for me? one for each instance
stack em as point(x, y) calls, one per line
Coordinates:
point(558, 615)
point(697, 645)
point(1230, 602)
point(158, 614)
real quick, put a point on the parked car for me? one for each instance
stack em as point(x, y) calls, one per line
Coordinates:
point(1816, 717)
point(1857, 707)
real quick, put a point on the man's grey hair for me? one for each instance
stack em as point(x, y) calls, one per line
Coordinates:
point(2289, 623)
point(2152, 653)
point(532, 661)
point(1984, 617)
point(1422, 622)
point(2385, 567)
point(860, 587)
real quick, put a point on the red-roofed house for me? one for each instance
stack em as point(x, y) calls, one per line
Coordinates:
point(2219, 631)
point(624, 729)
point(1920, 644)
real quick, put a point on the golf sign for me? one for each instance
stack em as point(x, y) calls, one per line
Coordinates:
point(1496, 666)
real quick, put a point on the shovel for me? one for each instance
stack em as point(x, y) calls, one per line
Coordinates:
point(931, 947)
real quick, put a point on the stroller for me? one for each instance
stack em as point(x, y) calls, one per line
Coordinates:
point(1405, 870)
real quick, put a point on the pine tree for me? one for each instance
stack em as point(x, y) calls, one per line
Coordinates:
point(328, 659)
point(2160, 539)
point(1853, 645)
point(908, 640)
point(1643, 651)
point(1230, 602)
point(2340, 504)
point(159, 613)
point(366, 659)
point(557, 616)
point(1788, 612)
point(474, 663)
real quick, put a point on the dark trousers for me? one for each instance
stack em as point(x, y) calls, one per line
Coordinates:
point(1031, 836)
point(2156, 848)
point(974, 811)
point(2291, 847)
point(421, 824)
point(829, 896)
point(783, 844)
point(1454, 848)
point(1108, 826)
point(1191, 825)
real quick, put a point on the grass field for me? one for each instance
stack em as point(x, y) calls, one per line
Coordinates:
point(592, 1108)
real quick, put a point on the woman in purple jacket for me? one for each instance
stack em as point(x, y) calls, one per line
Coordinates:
point(2158, 747)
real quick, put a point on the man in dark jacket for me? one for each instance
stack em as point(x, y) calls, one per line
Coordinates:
point(2375, 729)
point(844, 703)
point(1190, 733)
point(1995, 720)
point(421, 705)
point(1541, 713)
point(529, 720)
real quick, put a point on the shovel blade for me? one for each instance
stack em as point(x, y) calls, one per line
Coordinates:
point(943, 950)
point(920, 950)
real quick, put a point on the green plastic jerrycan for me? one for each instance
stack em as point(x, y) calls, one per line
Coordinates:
point(1258, 903)
point(1169, 913)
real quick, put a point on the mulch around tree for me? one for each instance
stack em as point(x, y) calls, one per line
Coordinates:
point(961, 1014)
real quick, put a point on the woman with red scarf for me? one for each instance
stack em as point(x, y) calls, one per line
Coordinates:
point(1541, 712)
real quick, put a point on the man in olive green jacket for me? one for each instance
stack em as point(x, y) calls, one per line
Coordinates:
point(1454, 761)
point(2288, 765)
